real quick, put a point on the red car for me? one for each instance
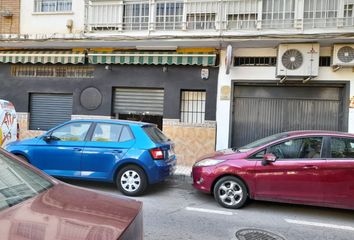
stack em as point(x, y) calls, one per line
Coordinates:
point(36, 206)
point(304, 167)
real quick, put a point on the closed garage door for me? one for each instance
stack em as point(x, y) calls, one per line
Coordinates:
point(138, 101)
point(260, 111)
point(49, 110)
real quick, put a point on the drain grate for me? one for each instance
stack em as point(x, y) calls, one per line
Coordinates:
point(257, 234)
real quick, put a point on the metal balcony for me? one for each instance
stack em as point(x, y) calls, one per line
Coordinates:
point(222, 16)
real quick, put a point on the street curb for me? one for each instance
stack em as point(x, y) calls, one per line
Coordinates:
point(178, 177)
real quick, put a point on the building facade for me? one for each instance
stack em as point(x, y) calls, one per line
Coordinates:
point(211, 74)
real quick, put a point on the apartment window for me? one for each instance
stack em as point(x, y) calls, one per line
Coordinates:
point(52, 71)
point(278, 13)
point(169, 15)
point(193, 106)
point(241, 14)
point(255, 61)
point(320, 13)
point(242, 21)
point(201, 21)
point(136, 16)
point(325, 61)
point(348, 10)
point(52, 5)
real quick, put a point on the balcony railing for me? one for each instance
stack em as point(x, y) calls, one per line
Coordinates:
point(221, 15)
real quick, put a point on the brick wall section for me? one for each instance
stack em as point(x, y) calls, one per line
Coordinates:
point(10, 25)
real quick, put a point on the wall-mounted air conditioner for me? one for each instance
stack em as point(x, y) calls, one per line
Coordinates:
point(298, 60)
point(343, 55)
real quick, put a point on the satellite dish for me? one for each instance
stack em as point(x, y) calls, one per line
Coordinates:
point(228, 58)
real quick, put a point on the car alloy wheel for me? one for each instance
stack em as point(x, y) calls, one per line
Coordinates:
point(230, 192)
point(131, 180)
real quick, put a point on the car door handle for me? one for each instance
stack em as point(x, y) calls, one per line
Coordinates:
point(78, 149)
point(117, 151)
point(309, 167)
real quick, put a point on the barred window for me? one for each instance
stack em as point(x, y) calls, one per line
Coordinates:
point(169, 15)
point(201, 21)
point(193, 106)
point(325, 61)
point(52, 71)
point(348, 10)
point(136, 16)
point(255, 61)
point(52, 5)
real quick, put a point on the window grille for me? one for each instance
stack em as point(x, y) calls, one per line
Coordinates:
point(348, 10)
point(136, 16)
point(348, 14)
point(169, 15)
point(193, 106)
point(53, 71)
point(52, 5)
point(201, 21)
point(325, 61)
point(320, 13)
point(241, 14)
point(278, 13)
point(255, 61)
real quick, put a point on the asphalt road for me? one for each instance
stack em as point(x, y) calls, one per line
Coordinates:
point(173, 210)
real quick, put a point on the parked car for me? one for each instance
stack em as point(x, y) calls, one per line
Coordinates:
point(305, 167)
point(8, 123)
point(33, 205)
point(131, 154)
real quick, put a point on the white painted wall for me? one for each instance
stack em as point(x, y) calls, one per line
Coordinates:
point(265, 73)
point(51, 22)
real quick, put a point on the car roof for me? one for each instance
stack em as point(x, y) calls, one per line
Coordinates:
point(318, 132)
point(114, 121)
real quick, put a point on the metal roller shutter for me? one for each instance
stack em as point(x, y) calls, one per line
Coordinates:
point(138, 101)
point(49, 110)
point(260, 111)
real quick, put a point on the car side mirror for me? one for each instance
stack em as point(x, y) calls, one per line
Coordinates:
point(268, 158)
point(48, 138)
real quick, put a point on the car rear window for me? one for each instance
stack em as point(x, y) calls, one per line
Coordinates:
point(155, 134)
point(18, 183)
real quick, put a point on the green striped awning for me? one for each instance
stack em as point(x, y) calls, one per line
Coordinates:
point(42, 57)
point(155, 58)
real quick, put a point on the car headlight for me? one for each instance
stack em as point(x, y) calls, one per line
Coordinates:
point(208, 162)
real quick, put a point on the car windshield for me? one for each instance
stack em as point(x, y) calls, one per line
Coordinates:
point(261, 142)
point(18, 183)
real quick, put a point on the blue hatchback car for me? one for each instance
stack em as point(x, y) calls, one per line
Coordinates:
point(131, 154)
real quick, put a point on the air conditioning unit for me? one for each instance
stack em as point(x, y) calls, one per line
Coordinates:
point(343, 55)
point(298, 60)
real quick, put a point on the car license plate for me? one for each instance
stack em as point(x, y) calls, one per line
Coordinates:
point(171, 152)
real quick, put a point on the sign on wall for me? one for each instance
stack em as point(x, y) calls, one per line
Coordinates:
point(225, 93)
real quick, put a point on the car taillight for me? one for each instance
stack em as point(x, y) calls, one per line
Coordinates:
point(18, 132)
point(157, 153)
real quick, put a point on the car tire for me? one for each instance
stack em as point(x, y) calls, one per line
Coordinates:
point(230, 192)
point(131, 180)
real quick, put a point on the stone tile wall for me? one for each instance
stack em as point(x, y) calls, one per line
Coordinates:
point(191, 141)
